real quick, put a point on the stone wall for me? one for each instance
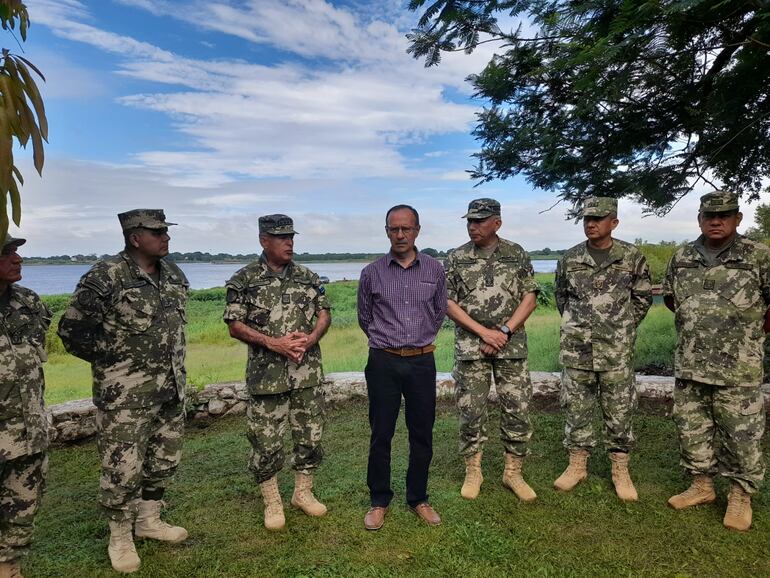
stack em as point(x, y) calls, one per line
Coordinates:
point(74, 420)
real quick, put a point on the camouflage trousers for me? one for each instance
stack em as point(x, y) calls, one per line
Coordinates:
point(720, 428)
point(615, 392)
point(139, 448)
point(267, 419)
point(22, 481)
point(514, 390)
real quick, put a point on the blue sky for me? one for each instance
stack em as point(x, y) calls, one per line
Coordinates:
point(223, 111)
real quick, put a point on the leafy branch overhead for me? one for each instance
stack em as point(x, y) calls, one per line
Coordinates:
point(22, 113)
point(622, 98)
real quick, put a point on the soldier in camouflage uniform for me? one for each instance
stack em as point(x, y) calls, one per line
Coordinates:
point(279, 308)
point(127, 318)
point(603, 292)
point(491, 293)
point(719, 290)
point(24, 320)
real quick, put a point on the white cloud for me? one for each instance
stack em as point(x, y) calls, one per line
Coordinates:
point(246, 119)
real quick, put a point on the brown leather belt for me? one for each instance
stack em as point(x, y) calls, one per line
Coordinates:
point(411, 351)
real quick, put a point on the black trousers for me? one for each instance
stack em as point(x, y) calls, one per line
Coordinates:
point(388, 377)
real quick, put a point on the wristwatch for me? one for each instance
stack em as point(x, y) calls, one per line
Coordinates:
point(507, 330)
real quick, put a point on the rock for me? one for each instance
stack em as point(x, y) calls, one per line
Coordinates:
point(238, 409)
point(217, 407)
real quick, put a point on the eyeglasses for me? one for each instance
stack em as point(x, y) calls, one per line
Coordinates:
point(399, 230)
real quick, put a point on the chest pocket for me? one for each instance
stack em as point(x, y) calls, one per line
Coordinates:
point(740, 285)
point(175, 298)
point(137, 306)
point(22, 327)
point(689, 279)
point(260, 299)
point(302, 294)
point(619, 276)
point(468, 277)
point(580, 280)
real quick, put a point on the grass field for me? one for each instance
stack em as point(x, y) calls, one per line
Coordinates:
point(587, 532)
point(213, 356)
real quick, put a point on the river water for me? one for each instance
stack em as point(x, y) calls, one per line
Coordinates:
point(53, 279)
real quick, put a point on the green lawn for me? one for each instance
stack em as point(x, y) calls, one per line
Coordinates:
point(213, 356)
point(585, 533)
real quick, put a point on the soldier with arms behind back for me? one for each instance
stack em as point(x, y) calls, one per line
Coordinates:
point(127, 318)
point(719, 290)
point(603, 292)
point(491, 293)
point(24, 320)
point(280, 310)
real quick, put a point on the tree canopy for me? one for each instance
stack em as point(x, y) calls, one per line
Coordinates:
point(621, 98)
point(22, 113)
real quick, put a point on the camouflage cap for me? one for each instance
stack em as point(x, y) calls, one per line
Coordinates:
point(482, 208)
point(13, 241)
point(718, 202)
point(276, 225)
point(599, 206)
point(143, 219)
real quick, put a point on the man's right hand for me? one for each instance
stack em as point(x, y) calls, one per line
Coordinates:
point(494, 338)
point(291, 346)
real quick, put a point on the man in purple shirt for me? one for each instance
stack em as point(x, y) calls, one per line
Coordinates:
point(402, 302)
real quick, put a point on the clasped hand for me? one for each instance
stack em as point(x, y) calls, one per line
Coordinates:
point(293, 346)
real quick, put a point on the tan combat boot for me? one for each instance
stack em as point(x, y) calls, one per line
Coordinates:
point(575, 473)
point(473, 478)
point(514, 481)
point(701, 491)
point(624, 486)
point(303, 497)
point(10, 569)
point(274, 518)
point(122, 551)
point(738, 514)
point(149, 524)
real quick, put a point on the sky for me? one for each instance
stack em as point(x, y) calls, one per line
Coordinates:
point(222, 111)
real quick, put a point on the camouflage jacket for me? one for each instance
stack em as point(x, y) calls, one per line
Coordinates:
point(23, 424)
point(489, 289)
point(719, 312)
point(601, 306)
point(131, 330)
point(276, 305)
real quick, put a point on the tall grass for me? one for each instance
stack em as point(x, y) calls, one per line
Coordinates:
point(213, 356)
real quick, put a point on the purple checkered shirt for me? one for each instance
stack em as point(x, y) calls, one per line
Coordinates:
point(400, 307)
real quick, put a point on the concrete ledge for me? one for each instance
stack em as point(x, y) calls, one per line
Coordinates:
point(73, 421)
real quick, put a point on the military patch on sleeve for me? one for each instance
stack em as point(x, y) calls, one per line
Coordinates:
point(321, 290)
point(87, 299)
point(285, 299)
point(708, 284)
point(231, 296)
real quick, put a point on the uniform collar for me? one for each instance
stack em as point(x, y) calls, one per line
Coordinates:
point(615, 254)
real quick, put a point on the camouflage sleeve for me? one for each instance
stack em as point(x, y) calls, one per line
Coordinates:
point(236, 308)
point(668, 281)
point(528, 283)
point(81, 324)
point(321, 299)
point(764, 276)
point(449, 272)
point(560, 287)
point(641, 291)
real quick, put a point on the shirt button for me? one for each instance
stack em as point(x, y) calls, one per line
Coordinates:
point(406, 302)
